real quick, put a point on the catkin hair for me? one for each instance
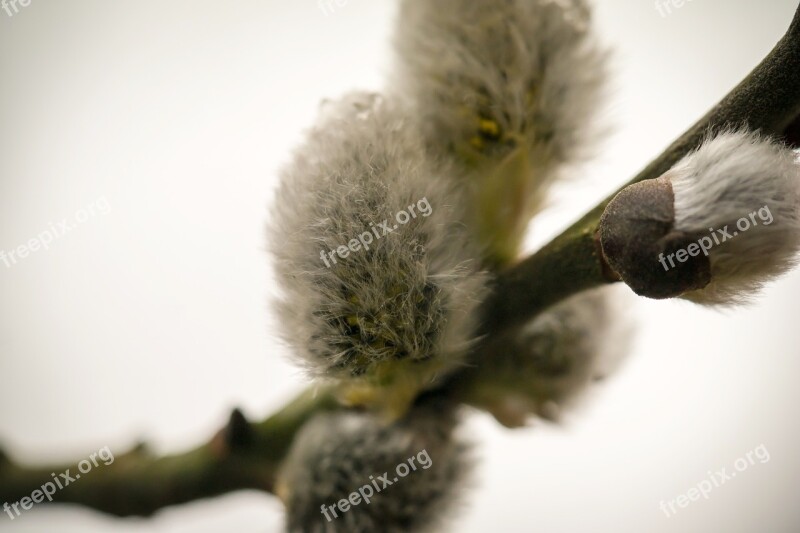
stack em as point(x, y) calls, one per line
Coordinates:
point(409, 299)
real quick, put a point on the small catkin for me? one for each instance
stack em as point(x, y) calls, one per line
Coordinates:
point(406, 476)
point(544, 367)
point(740, 193)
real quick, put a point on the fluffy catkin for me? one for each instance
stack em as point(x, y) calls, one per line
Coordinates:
point(545, 366)
point(748, 186)
point(336, 454)
point(507, 90)
point(396, 312)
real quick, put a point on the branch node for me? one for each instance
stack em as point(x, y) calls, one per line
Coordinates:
point(238, 434)
point(5, 462)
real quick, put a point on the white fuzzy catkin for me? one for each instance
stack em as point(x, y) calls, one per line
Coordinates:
point(546, 366)
point(392, 317)
point(732, 176)
point(336, 454)
point(508, 90)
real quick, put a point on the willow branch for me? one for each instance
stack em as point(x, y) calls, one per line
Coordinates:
point(247, 456)
point(241, 455)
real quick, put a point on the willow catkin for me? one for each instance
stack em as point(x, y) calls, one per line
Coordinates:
point(349, 472)
point(379, 276)
point(506, 90)
point(739, 192)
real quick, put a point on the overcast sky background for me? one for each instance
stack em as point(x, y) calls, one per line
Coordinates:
point(150, 320)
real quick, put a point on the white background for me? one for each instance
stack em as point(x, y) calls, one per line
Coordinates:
point(151, 322)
